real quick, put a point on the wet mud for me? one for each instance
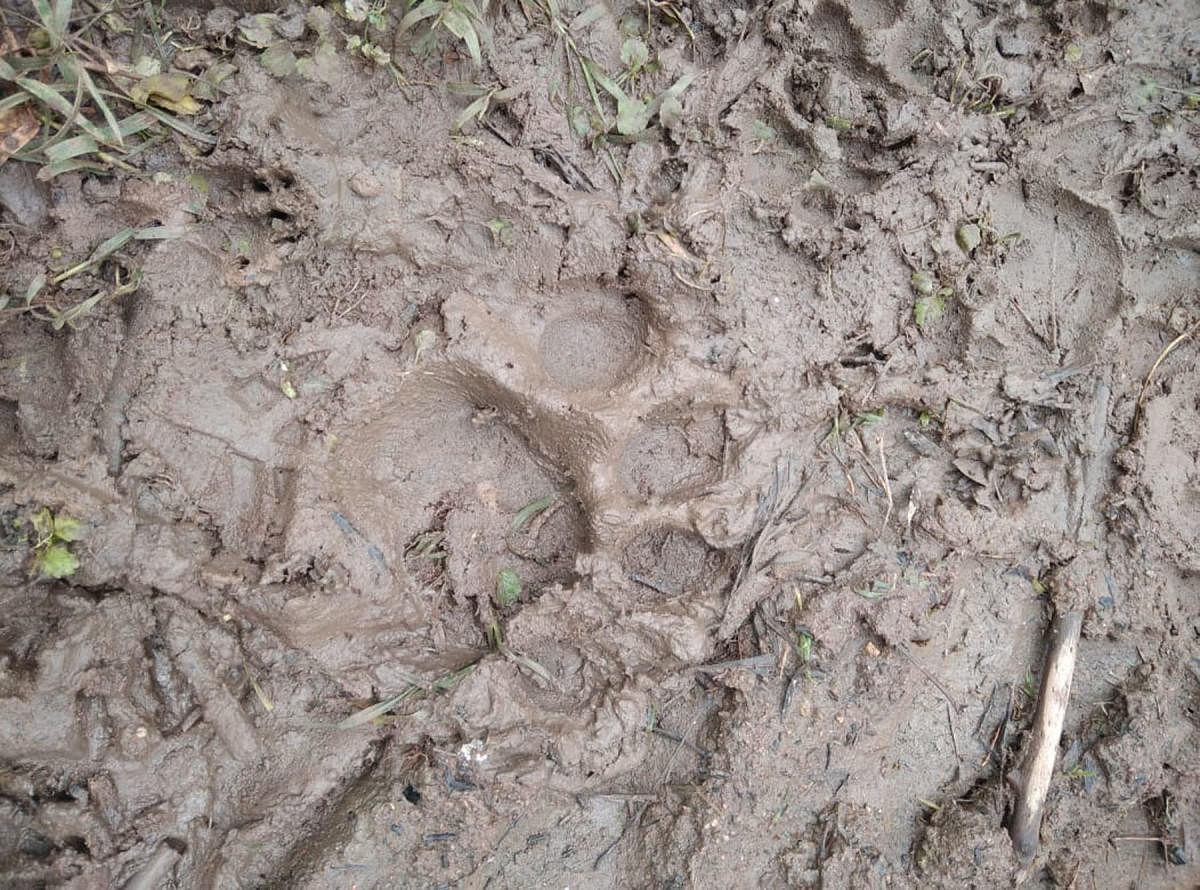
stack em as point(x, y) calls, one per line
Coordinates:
point(794, 437)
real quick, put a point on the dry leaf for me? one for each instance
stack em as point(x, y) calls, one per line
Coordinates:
point(17, 126)
point(169, 91)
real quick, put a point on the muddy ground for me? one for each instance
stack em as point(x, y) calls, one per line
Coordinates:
point(786, 555)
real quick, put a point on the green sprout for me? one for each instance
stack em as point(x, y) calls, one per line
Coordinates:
point(508, 588)
point(458, 17)
point(804, 646)
point(52, 556)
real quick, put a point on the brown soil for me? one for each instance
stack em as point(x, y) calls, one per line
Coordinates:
point(797, 553)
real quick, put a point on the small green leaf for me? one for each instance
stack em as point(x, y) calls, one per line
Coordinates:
point(502, 231)
point(356, 10)
point(634, 53)
point(56, 168)
point(922, 283)
point(68, 528)
point(804, 647)
point(670, 113)
point(581, 120)
point(968, 237)
point(667, 104)
point(279, 59)
point(508, 587)
point(762, 131)
point(676, 89)
point(632, 116)
point(35, 288)
point(56, 562)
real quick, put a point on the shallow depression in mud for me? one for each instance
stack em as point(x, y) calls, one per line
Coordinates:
point(450, 492)
point(556, 681)
point(594, 346)
point(671, 562)
point(674, 451)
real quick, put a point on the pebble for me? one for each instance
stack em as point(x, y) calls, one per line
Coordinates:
point(365, 184)
point(22, 195)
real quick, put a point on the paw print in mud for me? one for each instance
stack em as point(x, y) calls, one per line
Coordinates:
point(566, 443)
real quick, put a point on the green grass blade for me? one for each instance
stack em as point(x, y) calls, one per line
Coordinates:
point(449, 681)
point(460, 26)
point(62, 15)
point(111, 245)
point(106, 249)
point(13, 101)
point(530, 510)
point(135, 123)
point(607, 83)
point(49, 171)
point(182, 127)
point(471, 90)
point(90, 86)
point(77, 311)
point(54, 100)
point(474, 110)
point(35, 288)
point(72, 148)
point(366, 715)
point(426, 10)
point(49, 21)
point(585, 66)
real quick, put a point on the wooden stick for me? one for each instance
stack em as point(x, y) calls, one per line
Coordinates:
point(1047, 730)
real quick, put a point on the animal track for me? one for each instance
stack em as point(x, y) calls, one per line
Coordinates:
point(577, 401)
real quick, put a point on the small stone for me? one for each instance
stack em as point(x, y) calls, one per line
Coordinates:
point(365, 184)
point(872, 649)
point(1011, 45)
point(23, 196)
